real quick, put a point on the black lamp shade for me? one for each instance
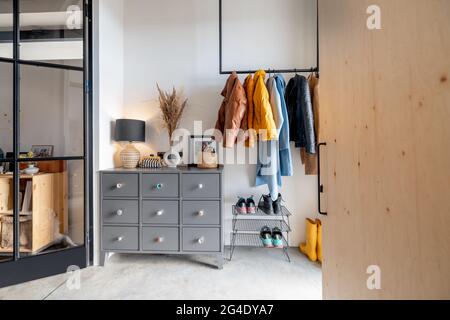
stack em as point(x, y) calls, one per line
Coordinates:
point(130, 130)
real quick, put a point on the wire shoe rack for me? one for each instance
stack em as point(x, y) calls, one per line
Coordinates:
point(246, 229)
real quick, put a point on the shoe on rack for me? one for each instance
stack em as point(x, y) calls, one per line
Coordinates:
point(277, 238)
point(266, 237)
point(266, 204)
point(241, 206)
point(251, 205)
point(277, 207)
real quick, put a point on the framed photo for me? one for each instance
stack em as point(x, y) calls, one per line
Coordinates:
point(42, 151)
point(203, 152)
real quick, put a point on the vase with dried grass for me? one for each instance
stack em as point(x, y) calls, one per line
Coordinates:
point(172, 106)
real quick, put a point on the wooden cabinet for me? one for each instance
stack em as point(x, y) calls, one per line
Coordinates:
point(47, 215)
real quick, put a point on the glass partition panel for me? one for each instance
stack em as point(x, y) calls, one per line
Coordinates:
point(6, 29)
point(52, 31)
point(51, 113)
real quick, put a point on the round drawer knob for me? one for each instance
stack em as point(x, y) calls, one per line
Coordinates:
point(201, 240)
point(119, 212)
point(119, 185)
point(159, 186)
point(119, 239)
point(160, 239)
point(201, 213)
point(200, 186)
point(160, 213)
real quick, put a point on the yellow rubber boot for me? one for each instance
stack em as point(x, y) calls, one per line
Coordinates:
point(310, 247)
point(319, 240)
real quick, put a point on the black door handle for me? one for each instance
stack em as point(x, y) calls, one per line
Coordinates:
point(321, 188)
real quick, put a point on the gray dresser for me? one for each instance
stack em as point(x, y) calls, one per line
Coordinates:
point(162, 211)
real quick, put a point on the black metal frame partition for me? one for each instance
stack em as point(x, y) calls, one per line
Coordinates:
point(21, 269)
point(295, 70)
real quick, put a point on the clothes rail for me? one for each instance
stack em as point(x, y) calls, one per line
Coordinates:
point(295, 70)
point(274, 71)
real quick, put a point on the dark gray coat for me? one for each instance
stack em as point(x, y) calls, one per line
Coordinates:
point(301, 116)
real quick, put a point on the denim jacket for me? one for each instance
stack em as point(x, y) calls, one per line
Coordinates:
point(274, 157)
point(285, 162)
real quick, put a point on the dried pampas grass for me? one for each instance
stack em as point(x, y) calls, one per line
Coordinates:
point(172, 109)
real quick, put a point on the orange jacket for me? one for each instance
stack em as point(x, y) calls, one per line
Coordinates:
point(232, 111)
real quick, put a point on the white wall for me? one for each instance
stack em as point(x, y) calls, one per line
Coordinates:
point(175, 42)
point(110, 74)
point(108, 89)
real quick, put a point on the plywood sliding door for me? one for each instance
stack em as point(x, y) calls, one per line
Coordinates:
point(385, 98)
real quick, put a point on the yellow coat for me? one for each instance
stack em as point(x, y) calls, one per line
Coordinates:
point(263, 123)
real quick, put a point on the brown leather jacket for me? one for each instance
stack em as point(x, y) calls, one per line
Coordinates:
point(233, 111)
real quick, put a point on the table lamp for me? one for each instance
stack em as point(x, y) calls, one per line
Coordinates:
point(130, 131)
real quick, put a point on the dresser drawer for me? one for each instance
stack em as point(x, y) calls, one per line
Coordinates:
point(120, 185)
point(160, 239)
point(160, 212)
point(120, 211)
point(201, 185)
point(201, 239)
point(120, 238)
point(160, 186)
point(201, 212)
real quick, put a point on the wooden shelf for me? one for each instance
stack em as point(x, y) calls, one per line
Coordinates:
point(49, 210)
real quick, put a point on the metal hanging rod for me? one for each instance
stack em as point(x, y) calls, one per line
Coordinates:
point(295, 70)
point(310, 70)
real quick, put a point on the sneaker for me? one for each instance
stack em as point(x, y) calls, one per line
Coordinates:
point(277, 207)
point(266, 237)
point(241, 206)
point(277, 238)
point(266, 205)
point(251, 205)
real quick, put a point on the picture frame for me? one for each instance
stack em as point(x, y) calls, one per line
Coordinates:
point(199, 145)
point(42, 151)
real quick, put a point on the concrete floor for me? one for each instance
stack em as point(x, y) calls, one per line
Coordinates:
point(253, 274)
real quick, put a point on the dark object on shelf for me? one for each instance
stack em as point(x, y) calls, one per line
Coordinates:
point(247, 229)
point(266, 204)
point(2, 155)
point(277, 205)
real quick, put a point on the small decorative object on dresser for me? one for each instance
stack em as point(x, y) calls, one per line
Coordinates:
point(172, 108)
point(130, 131)
point(203, 152)
point(162, 211)
point(152, 162)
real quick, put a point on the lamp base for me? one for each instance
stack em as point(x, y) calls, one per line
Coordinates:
point(130, 157)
